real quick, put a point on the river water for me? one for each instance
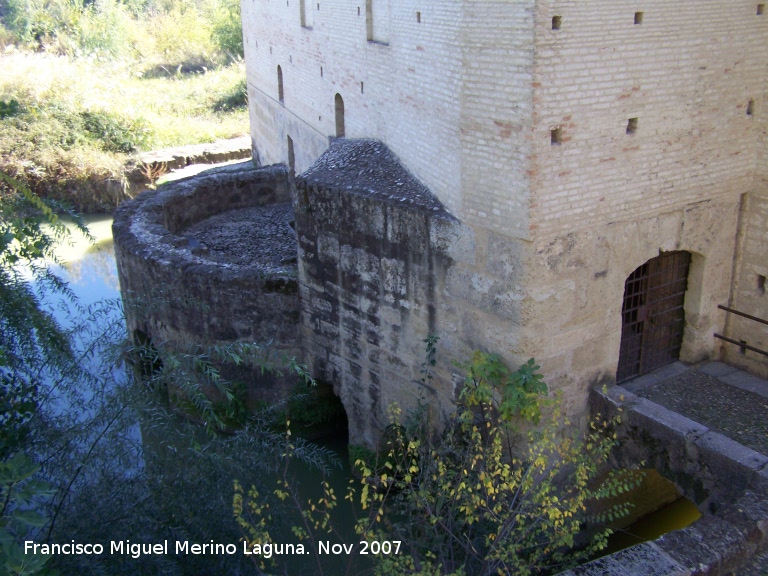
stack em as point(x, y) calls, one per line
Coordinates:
point(92, 275)
point(186, 475)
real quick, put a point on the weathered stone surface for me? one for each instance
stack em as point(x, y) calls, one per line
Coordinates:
point(367, 167)
point(184, 283)
point(708, 546)
point(723, 477)
point(641, 560)
point(755, 567)
point(749, 514)
point(374, 247)
point(167, 159)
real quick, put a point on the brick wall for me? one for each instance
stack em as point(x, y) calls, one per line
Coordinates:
point(686, 72)
point(402, 92)
point(496, 115)
point(607, 193)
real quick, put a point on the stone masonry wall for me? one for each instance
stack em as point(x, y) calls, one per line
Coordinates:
point(379, 275)
point(372, 270)
point(750, 285)
point(642, 142)
point(572, 301)
point(573, 140)
point(179, 298)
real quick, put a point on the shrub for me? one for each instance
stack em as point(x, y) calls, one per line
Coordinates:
point(182, 40)
point(106, 28)
point(472, 504)
point(227, 29)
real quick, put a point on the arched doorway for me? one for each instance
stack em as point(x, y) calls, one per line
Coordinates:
point(339, 102)
point(652, 315)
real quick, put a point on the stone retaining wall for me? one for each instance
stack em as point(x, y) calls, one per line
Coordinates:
point(175, 295)
point(722, 477)
point(373, 262)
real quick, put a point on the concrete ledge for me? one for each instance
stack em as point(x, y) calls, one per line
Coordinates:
point(746, 381)
point(716, 369)
point(708, 546)
point(178, 157)
point(749, 514)
point(723, 476)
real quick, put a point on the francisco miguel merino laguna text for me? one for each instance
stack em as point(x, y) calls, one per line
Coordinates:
point(136, 550)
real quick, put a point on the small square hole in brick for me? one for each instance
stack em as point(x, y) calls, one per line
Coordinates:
point(556, 136)
point(631, 125)
point(638, 17)
point(750, 107)
point(760, 9)
point(556, 21)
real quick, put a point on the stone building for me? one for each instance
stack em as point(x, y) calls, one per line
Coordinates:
point(582, 182)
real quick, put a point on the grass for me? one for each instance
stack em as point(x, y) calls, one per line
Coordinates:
point(68, 125)
point(89, 84)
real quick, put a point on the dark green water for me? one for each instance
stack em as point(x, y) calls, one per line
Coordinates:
point(92, 276)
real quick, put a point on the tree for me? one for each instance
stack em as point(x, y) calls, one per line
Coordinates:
point(33, 346)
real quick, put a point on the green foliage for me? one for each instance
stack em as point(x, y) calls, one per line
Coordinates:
point(33, 347)
point(8, 109)
point(115, 135)
point(262, 516)
point(32, 344)
point(176, 32)
point(100, 484)
point(19, 492)
point(237, 97)
point(488, 378)
point(68, 134)
point(469, 505)
point(207, 382)
point(68, 127)
point(227, 29)
point(358, 453)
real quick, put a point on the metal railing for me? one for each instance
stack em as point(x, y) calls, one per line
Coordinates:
point(742, 344)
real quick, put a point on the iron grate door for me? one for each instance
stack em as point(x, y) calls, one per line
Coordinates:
point(652, 316)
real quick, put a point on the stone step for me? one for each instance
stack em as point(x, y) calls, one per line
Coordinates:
point(154, 165)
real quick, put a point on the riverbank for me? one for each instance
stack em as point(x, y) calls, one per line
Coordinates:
point(75, 129)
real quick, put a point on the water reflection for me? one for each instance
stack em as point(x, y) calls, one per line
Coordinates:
point(188, 477)
point(156, 477)
point(90, 267)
